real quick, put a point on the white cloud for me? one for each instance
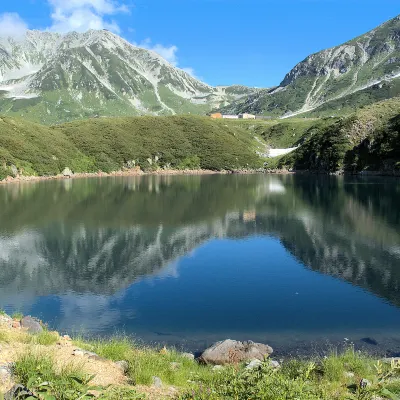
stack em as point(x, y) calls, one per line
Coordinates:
point(11, 24)
point(82, 15)
point(169, 53)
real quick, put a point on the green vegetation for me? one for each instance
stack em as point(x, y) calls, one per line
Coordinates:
point(145, 362)
point(40, 373)
point(337, 376)
point(114, 143)
point(345, 375)
point(17, 316)
point(367, 140)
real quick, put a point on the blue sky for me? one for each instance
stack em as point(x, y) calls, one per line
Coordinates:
point(254, 42)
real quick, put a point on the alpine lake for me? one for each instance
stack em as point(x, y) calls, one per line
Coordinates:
point(303, 263)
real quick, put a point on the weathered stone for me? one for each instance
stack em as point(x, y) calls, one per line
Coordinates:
point(92, 356)
point(390, 359)
point(67, 172)
point(189, 356)
point(16, 324)
point(6, 372)
point(31, 324)
point(232, 352)
point(122, 365)
point(19, 392)
point(6, 320)
point(218, 368)
point(14, 170)
point(254, 364)
point(157, 382)
point(364, 383)
point(274, 364)
point(175, 366)
point(349, 375)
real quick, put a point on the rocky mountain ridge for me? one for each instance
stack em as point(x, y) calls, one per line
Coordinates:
point(48, 77)
point(359, 72)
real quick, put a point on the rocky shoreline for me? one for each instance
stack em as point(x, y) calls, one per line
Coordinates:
point(36, 363)
point(67, 174)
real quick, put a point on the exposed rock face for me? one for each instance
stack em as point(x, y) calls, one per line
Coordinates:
point(232, 351)
point(366, 65)
point(97, 73)
point(31, 324)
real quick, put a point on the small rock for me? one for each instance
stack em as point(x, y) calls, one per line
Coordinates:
point(67, 172)
point(390, 359)
point(175, 366)
point(31, 324)
point(16, 324)
point(6, 372)
point(5, 320)
point(217, 368)
point(14, 170)
point(19, 392)
point(78, 353)
point(189, 356)
point(254, 364)
point(157, 382)
point(274, 364)
point(349, 375)
point(364, 383)
point(67, 337)
point(123, 366)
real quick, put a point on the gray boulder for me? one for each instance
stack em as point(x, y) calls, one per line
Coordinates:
point(14, 170)
point(233, 352)
point(157, 382)
point(67, 172)
point(31, 325)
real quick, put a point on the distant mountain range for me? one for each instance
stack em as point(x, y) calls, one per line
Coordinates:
point(51, 78)
point(359, 72)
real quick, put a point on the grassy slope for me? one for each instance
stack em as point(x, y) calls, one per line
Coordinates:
point(336, 376)
point(108, 143)
point(367, 139)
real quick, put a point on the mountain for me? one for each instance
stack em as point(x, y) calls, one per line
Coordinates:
point(51, 78)
point(359, 72)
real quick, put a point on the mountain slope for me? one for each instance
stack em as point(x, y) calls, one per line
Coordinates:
point(52, 78)
point(332, 75)
point(110, 144)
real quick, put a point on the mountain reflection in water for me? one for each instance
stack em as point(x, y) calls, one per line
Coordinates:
point(83, 253)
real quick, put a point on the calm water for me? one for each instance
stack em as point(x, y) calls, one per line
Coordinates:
point(292, 261)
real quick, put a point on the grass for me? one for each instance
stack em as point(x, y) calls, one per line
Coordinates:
point(336, 376)
point(17, 316)
point(145, 362)
point(111, 144)
point(40, 373)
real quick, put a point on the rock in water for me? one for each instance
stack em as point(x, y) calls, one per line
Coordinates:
point(232, 352)
point(67, 172)
point(31, 324)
